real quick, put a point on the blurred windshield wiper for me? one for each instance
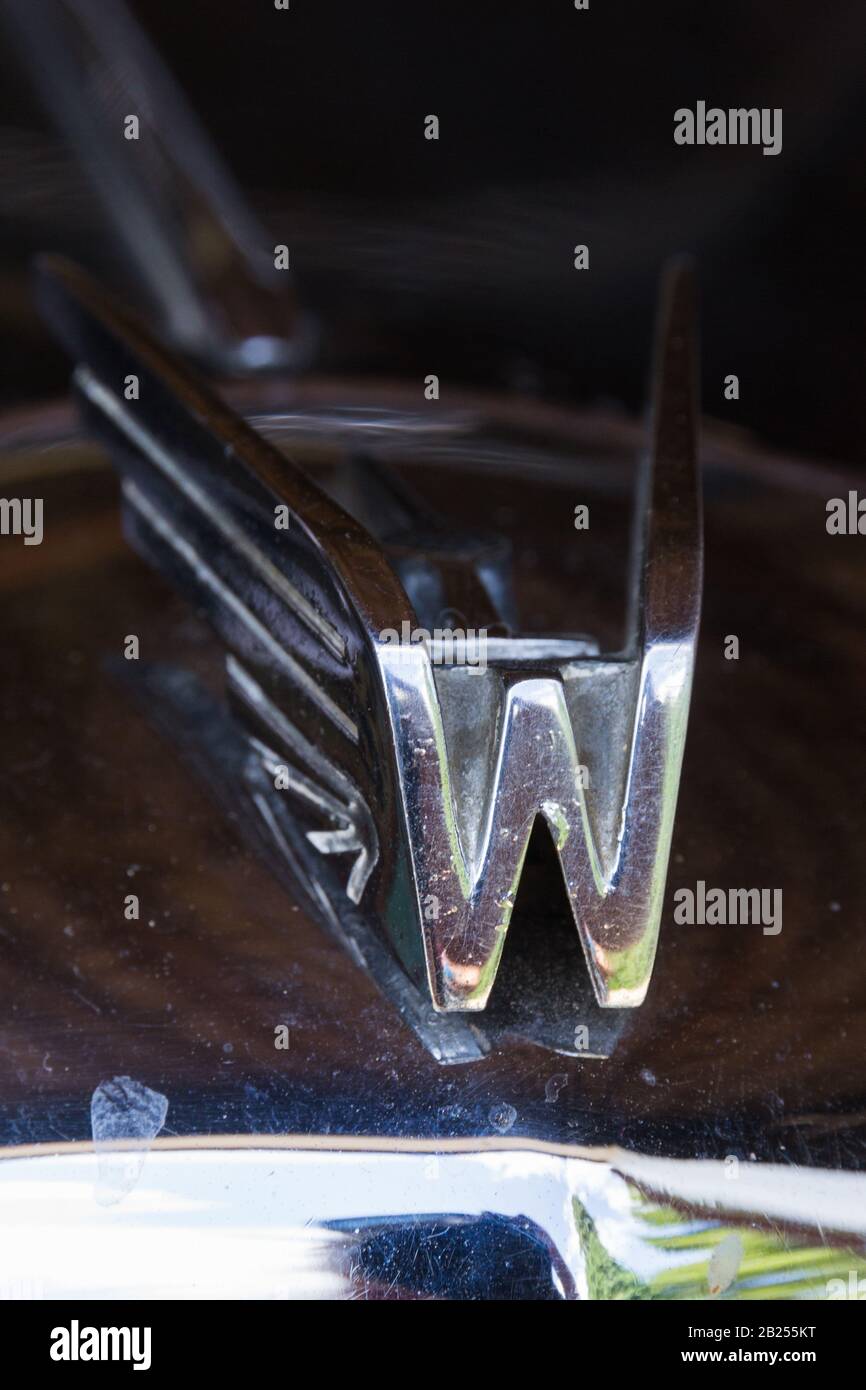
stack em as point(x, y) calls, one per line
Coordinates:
point(192, 243)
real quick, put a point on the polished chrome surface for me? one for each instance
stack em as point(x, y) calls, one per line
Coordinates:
point(328, 1220)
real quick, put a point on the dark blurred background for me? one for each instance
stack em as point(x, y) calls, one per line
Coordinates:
point(455, 256)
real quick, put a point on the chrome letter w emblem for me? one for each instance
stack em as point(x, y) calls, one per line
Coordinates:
point(481, 755)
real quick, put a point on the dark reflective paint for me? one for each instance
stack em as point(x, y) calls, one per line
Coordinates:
point(748, 1045)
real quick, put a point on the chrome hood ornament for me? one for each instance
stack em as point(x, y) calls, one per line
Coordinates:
point(421, 779)
point(394, 783)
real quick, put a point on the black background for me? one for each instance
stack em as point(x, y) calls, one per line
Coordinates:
point(556, 128)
